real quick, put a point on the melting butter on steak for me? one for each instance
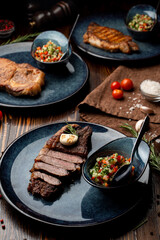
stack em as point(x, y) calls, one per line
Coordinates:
point(20, 78)
point(56, 163)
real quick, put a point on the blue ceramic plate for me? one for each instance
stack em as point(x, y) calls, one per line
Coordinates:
point(72, 78)
point(80, 204)
point(113, 20)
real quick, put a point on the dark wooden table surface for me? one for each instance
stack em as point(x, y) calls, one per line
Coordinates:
point(143, 223)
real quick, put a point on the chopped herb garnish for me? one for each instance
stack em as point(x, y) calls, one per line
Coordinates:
point(71, 130)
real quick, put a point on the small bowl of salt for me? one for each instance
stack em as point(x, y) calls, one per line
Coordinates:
point(150, 90)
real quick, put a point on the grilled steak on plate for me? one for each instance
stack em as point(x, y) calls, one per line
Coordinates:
point(109, 39)
point(56, 163)
point(20, 79)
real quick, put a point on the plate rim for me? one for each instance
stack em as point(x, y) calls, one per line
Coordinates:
point(65, 223)
point(29, 43)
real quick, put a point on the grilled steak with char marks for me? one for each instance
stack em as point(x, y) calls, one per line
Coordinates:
point(109, 39)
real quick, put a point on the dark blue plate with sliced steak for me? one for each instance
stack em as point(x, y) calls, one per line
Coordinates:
point(79, 204)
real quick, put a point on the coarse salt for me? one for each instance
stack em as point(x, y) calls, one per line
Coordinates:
point(151, 87)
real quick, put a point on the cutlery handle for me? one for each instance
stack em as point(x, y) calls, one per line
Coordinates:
point(73, 28)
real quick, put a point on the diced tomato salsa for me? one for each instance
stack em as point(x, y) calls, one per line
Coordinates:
point(105, 168)
point(141, 22)
point(49, 52)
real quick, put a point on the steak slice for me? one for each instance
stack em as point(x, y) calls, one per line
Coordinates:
point(80, 148)
point(40, 188)
point(20, 79)
point(109, 39)
point(57, 162)
point(47, 178)
point(63, 156)
point(50, 169)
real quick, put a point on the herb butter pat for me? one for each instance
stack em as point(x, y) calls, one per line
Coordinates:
point(68, 139)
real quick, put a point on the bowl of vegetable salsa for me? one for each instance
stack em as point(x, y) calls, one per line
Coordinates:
point(141, 22)
point(48, 49)
point(100, 167)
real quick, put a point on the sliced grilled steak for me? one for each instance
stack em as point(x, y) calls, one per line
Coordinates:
point(47, 178)
point(50, 169)
point(57, 162)
point(109, 39)
point(63, 156)
point(80, 148)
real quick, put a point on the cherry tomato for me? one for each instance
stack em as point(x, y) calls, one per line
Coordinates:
point(127, 84)
point(115, 85)
point(117, 93)
point(1, 115)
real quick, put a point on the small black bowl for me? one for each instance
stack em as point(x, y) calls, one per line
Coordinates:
point(60, 40)
point(142, 9)
point(122, 146)
point(5, 33)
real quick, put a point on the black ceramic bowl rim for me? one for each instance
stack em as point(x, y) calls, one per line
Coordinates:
point(134, 30)
point(51, 63)
point(114, 187)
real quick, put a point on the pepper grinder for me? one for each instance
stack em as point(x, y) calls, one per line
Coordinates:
point(59, 13)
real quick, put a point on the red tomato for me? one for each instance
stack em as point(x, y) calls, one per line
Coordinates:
point(115, 85)
point(117, 93)
point(127, 84)
point(1, 115)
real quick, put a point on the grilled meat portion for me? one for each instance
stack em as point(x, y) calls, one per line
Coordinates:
point(80, 148)
point(42, 189)
point(20, 79)
point(57, 162)
point(46, 178)
point(63, 156)
point(52, 167)
point(61, 172)
point(109, 39)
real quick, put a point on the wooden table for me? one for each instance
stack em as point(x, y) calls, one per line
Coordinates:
point(19, 227)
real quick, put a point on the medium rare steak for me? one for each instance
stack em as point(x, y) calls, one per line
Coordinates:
point(20, 79)
point(109, 39)
point(57, 164)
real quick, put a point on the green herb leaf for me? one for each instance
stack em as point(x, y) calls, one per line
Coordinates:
point(20, 38)
point(154, 159)
point(71, 129)
point(130, 129)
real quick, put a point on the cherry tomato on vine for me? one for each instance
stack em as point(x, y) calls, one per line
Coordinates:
point(115, 85)
point(127, 84)
point(117, 93)
point(1, 115)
